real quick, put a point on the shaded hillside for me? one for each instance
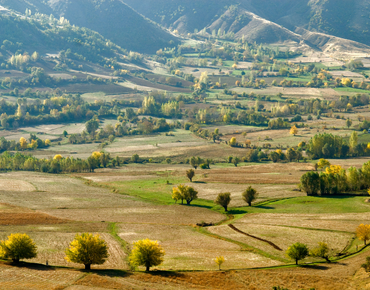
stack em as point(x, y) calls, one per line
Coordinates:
point(252, 27)
point(185, 16)
point(40, 34)
point(341, 18)
point(113, 19)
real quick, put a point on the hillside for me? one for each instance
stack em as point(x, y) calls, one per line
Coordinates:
point(341, 18)
point(252, 27)
point(113, 19)
point(50, 36)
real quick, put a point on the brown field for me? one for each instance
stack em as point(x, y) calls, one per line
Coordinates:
point(187, 249)
point(156, 86)
point(53, 208)
point(271, 173)
point(266, 191)
point(302, 93)
point(283, 237)
point(338, 222)
point(92, 88)
point(139, 212)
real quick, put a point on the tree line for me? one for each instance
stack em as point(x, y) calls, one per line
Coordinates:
point(335, 179)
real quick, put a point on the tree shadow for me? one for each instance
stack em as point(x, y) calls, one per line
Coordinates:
point(110, 273)
point(199, 182)
point(199, 205)
point(264, 207)
point(315, 267)
point(166, 274)
point(32, 266)
point(236, 211)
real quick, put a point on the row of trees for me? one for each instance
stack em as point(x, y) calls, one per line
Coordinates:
point(58, 164)
point(249, 195)
point(299, 251)
point(86, 249)
point(335, 179)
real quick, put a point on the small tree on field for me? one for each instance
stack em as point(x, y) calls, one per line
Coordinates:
point(190, 174)
point(135, 158)
point(363, 232)
point(223, 199)
point(322, 251)
point(183, 192)
point(92, 126)
point(250, 195)
point(194, 162)
point(233, 142)
point(87, 249)
point(146, 253)
point(236, 161)
point(348, 123)
point(219, 261)
point(297, 252)
point(294, 130)
point(18, 247)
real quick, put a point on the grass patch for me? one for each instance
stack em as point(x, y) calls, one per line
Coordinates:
point(311, 205)
point(157, 191)
point(350, 90)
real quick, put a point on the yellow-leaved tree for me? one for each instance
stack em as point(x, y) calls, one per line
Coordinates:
point(323, 163)
point(219, 261)
point(96, 154)
point(183, 192)
point(363, 232)
point(58, 157)
point(87, 249)
point(17, 247)
point(146, 253)
point(294, 130)
point(233, 142)
point(23, 143)
point(333, 169)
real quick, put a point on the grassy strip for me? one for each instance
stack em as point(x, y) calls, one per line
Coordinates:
point(112, 227)
point(245, 247)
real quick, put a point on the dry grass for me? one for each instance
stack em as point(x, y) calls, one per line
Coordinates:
point(283, 237)
point(187, 249)
point(35, 278)
point(51, 247)
point(139, 212)
point(266, 191)
point(279, 173)
point(340, 222)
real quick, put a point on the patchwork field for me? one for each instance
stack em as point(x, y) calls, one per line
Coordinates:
point(134, 202)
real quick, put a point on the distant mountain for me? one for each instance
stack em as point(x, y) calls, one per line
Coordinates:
point(113, 19)
point(341, 18)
